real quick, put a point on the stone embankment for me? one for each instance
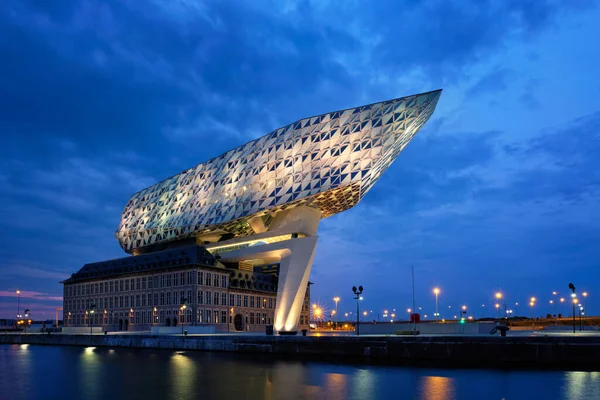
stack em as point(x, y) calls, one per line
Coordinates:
point(454, 351)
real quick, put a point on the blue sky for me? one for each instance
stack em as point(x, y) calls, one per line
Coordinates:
point(499, 190)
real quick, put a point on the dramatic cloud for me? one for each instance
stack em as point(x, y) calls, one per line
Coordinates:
point(101, 99)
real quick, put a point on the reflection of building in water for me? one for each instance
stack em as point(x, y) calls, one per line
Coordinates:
point(436, 388)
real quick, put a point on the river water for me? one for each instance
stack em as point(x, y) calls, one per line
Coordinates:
point(48, 372)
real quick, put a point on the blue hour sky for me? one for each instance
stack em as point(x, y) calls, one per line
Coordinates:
point(499, 191)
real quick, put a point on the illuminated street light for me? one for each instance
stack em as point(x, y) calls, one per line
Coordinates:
point(498, 309)
point(436, 291)
point(357, 297)
point(18, 303)
point(584, 294)
point(336, 299)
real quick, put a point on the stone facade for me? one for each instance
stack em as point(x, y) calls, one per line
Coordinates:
point(136, 293)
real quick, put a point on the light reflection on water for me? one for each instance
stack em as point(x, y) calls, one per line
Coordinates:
point(32, 372)
point(436, 388)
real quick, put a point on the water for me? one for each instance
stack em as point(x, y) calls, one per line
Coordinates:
point(47, 372)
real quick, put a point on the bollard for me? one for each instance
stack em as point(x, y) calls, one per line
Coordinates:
point(185, 332)
point(304, 332)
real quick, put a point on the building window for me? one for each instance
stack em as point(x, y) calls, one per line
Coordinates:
point(208, 297)
point(224, 281)
point(264, 318)
point(190, 277)
point(223, 317)
point(182, 278)
point(169, 280)
point(137, 284)
point(245, 301)
point(238, 300)
point(176, 280)
point(231, 296)
point(216, 316)
point(199, 316)
point(224, 299)
point(251, 318)
point(162, 281)
point(121, 285)
point(216, 299)
point(120, 301)
point(208, 314)
point(175, 299)
point(251, 301)
point(208, 277)
point(126, 285)
point(200, 298)
point(189, 297)
point(144, 283)
point(137, 300)
point(162, 299)
point(200, 278)
point(216, 280)
point(270, 302)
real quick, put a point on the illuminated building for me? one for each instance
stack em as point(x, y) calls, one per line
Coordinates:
point(260, 204)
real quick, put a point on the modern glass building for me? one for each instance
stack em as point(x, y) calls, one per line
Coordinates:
point(260, 204)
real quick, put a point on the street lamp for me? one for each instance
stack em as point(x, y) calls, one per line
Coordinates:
point(183, 307)
point(18, 303)
point(436, 291)
point(498, 309)
point(92, 308)
point(572, 287)
point(500, 298)
point(357, 293)
point(532, 304)
point(25, 321)
point(336, 299)
point(584, 294)
point(562, 300)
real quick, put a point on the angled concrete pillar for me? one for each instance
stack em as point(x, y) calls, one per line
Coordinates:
point(294, 271)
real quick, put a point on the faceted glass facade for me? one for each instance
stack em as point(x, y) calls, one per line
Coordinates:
point(327, 162)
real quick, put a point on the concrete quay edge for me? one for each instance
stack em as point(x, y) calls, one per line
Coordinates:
point(578, 353)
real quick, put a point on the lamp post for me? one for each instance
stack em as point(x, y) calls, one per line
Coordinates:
point(516, 309)
point(18, 303)
point(436, 291)
point(572, 287)
point(357, 293)
point(584, 294)
point(580, 321)
point(562, 300)
point(92, 308)
point(26, 320)
point(182, 318)
point(498, 309)
point(500, 298)
point(336, 299)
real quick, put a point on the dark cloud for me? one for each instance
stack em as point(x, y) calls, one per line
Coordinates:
point(99, 99)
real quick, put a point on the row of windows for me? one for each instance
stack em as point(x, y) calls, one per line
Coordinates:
point(161, 317)
point(172, 298)
point(143, 283)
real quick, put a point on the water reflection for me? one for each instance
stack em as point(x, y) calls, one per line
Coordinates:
point(182, 376)
point(581, 385)
point(436, 388)
point(36, 372)
point(90, 373)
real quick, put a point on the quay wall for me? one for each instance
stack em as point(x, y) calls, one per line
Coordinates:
point(580, 353)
